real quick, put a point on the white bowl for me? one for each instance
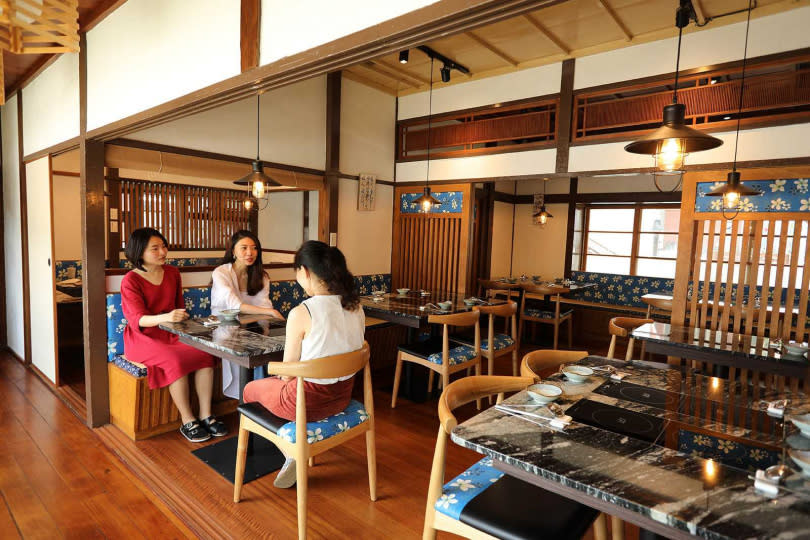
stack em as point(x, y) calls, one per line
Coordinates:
point(802, 422)
point(577, 374)
point(229, 314)
point(544, 393)
point(378, 293)
point(446, 306)
point(403, 291)
point(794, 349)
point(802, 459)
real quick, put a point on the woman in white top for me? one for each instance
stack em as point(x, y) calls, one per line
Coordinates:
point(241, 283)
point(329, 322)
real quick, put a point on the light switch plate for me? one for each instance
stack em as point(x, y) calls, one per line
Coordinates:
point(333, 239)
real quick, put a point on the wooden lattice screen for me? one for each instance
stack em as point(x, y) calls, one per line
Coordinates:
point(190, 217)
point(432, 251)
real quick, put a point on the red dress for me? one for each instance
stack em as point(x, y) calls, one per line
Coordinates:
point(165, 357)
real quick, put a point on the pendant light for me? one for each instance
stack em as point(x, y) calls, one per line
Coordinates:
point(427, 201)
point(674, 140)
point(257, 181)
point(542, 216)
point(733, 191)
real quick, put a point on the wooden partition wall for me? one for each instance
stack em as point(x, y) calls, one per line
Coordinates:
point(433, 251)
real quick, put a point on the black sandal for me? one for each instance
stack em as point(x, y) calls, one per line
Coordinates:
point(214, 427)
point(194, 432)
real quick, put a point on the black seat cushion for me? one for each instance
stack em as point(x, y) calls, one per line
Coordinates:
point(513, 509)
point(423, 349)
point(259, 414)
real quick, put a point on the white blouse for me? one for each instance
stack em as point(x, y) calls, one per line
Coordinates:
point(334, 330)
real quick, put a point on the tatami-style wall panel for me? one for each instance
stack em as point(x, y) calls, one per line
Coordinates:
point(12, 238)
point(292, 27)
point(148, 52)
point(51, 113)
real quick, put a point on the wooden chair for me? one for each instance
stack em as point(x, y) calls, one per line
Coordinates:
point(489, 288)
point(436, 354)
point(555, 316)
point(454, 507)
point(656, 303)
point(503, 343)
point(622, 327)
point(544, 362)
point(291, 437)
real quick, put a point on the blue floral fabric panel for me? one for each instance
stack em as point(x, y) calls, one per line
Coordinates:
point(115, 326)
point(619, 289)
point(62, 269)
point(450, 202)
point(544, 314)
point(459, 491)
point(353, 415)
point(373, 282)
point(182, 261)
point(731, 453)
point(197, 301)
point(285, 295)
point(457, 355)
point(782, 195)
point(129, 367)
point(502, 341)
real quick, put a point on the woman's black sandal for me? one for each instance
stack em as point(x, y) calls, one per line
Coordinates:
point(194, 432)
point(215, 427)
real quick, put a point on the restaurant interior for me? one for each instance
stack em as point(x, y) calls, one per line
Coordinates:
point(578, 230)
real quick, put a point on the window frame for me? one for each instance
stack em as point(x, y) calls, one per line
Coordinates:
point(636, 232)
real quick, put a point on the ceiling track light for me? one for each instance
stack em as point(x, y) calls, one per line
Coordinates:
point(448, 64)
point(445, 71)
point(403, 56)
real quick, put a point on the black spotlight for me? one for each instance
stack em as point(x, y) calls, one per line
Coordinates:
point(445, 71)
point(403, 56)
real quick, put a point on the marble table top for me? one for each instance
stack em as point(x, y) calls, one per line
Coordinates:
point(654, 481)
point(404, 308)
point(250, 336)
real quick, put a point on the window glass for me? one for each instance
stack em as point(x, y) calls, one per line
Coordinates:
point(658, 245)
point(607, 265)
point(611, 219)
point(660, 219)
point(610, 243)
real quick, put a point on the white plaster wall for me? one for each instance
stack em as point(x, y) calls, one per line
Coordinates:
point(776, 33)
point(67, 213)
point(501, 239)
point(755, 144)
point(148, 52)
point(281, 224)
point(532, 82)
point(367, 131)
point(293, 127)
point(288, 28)
point(489, 166)
point(51, 112)
point(12, 234)
point(540, 250)
point(365, 237)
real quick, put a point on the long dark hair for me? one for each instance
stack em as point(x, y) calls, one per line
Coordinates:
point(329, 264)
point(138, 242)
point(255, 272)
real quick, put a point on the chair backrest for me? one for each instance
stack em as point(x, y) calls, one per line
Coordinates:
point(472, 388)
point(465, 318)
point(622, 327)
point(495, 286)
point(544, 360)
point(544, 290)
point(508, 310)
point(327, 367)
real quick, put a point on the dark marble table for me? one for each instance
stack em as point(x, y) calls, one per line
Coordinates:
point(404, 308)
point(655, 482)
point(721, 348)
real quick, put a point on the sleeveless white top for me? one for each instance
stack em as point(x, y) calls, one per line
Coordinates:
point(334, 330)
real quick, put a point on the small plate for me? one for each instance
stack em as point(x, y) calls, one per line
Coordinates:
point(544, 393)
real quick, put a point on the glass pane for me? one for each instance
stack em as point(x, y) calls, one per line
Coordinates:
point(607, 265)
point(660, 219)
point(577, 242)
point(610, 243)
point(575, 261)
point(658, 245)
point(611, 219)
point(579, 215)
point(655, 268)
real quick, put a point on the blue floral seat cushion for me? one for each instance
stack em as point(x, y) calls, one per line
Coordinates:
point(500, 341)
point(457, 355)
point(545, 314)
point(133, 369)
point(458, 492)
point(352, 416)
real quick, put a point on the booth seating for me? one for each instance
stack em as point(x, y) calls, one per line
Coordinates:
point(140, 412)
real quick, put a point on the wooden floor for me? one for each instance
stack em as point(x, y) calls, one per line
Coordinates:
point(61, 479)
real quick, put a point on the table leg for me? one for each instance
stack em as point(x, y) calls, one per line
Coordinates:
point(245, 376)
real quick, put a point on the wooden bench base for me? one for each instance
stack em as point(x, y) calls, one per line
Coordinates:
point(142, 413)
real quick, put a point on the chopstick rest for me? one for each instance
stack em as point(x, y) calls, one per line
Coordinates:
point(776, 408)
point(619, 375)
point(764, 484)
point(561, 422)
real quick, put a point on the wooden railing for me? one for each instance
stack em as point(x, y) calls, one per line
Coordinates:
point(483, 131)
point(627, 111)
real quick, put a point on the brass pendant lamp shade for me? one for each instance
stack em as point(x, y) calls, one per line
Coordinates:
point(256, 180)
point(670, 143)
point(428, 202)
point(733, 191)
point(542, 216)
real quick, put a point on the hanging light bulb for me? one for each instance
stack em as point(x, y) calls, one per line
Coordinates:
point(542, 216)
point(248, 202)
point(256, 181)
point(674, 140)
point(733, 191)
point(427, 201)
point(257, 189)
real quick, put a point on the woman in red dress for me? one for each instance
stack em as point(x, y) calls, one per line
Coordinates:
point(152, 294)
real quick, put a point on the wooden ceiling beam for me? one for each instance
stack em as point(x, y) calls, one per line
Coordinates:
point(406, 72)
point(547, 33)
point(617, 20)
point(356, 77)
point(390, 73)
point(492, 48)
point(700, 15)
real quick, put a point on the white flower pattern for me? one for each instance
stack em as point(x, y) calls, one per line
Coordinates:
point(778, 185)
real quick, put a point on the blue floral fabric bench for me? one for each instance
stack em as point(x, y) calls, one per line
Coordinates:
point(67, 269)
point(619, 289)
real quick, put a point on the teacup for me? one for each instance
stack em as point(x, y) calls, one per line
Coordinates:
point(446, 305)
point(403, 291)
point(470, 301)
point(229, 314)
point(577, 374)
point(544, 393)
point(378, 293)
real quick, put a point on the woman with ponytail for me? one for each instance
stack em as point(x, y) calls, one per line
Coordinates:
point(327, 323)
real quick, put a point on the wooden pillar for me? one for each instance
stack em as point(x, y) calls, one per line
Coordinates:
point(328, 197)
point(565, 115)
point(569, 236)
point(114, 224)
point(24, 230)
point(249, 33)
point(3, 332)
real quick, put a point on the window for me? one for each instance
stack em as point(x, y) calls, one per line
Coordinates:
point(639, 240)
